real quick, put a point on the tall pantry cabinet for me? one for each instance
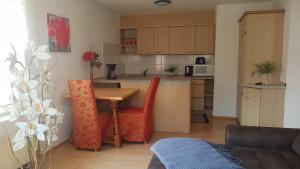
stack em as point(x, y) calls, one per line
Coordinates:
point(260, 40)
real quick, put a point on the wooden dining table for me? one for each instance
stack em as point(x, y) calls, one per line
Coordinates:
point(114, 95)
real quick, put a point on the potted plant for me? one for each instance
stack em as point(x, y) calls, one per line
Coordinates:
point(94, 60)
point(171, 69)
point(33, 111)
point(265, 69)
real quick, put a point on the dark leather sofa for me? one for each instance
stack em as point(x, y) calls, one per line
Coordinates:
point(259, 147)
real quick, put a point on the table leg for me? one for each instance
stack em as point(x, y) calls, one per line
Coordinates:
point(117, 138)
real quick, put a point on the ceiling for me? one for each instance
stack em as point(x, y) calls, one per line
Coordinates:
point(148, 6)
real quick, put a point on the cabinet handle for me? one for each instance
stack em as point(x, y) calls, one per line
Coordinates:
point(246, 97)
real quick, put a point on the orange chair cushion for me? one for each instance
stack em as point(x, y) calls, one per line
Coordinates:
point(134, 110)
point(105, 120)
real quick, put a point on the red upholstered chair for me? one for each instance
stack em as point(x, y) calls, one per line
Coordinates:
point(89, 127)
point(136, 124)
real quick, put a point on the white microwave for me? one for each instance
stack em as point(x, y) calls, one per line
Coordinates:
point(203, 70)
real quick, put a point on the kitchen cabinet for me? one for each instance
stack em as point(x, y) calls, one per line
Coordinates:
point(201, 98)
point(182, 40)
point(206, 17)
point(205, 36)
point(241, 65)
point(262, 106)
point(171, 111)
point(161, 40)
point(145, 40)
point(197, 90)
point(261, 39)
point(128, 41)
point(198, 105)
point(250, 107)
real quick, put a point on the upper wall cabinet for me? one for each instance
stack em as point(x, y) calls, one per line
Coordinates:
point(168, 19)
point(162, 40)
point(261, 35)
point(205, 36)
point(145, 40)
point(182, 40)
point(186, 33)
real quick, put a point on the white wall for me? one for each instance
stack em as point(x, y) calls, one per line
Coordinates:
point(226, 55)
point(292, 60)
point(282, 4)
point(90, 26)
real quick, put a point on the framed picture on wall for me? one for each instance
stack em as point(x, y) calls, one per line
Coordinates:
point(58, 33)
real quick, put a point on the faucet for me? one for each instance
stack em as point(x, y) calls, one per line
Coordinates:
point(145, 72)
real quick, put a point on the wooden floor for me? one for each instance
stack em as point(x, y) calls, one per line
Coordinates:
point(131, 155)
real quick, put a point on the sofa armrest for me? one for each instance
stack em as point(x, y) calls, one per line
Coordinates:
point(260, 137)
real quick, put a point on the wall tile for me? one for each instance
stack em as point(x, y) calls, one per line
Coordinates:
point(147, 59)
point(158, 69)
point(132, 59)
point(156, 64)
point(158, 59)
point(177, 59)
point(120, 69)
point(179, 70)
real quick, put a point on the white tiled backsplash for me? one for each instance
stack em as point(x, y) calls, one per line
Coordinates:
point(156, 64)
point(112, 55)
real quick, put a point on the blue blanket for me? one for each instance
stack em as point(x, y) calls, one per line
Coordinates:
point(184, 153)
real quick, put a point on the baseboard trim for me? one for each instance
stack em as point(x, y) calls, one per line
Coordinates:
point(225, 117)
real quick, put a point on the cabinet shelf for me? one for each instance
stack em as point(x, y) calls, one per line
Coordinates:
point(208, 95)
point(128, 38)
point(128, 45)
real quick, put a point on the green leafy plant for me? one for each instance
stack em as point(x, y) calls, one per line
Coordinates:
point(171, 69)
point(266, 67)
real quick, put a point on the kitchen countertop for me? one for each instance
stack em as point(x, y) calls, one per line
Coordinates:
point(278, 86)
point(166, 78)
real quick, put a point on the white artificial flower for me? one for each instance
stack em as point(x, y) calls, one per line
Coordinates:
point(39, 107)
point(25, 84)
point(28, 130)
point(52, 135)
point(42, 53)
point(51, 111)
point(47, 75)
point(59, 117)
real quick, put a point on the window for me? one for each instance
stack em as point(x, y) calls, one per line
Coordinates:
point(13, 31)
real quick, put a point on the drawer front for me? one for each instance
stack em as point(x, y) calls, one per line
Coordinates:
point(197, 82)
point(197, 104)
point(197, 90)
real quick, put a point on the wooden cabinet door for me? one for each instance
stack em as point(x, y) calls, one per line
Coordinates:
point(241, 67)
point(264, 42)
point(205, 37)
point(272, 107)
point(243, 26)
point(176, 40)
point(197, 91)
point(250, 113)
point(197, 104)
point(162, 40)
point(182, 40)
point(189, 39)
point(242, 57)
point(145, 40)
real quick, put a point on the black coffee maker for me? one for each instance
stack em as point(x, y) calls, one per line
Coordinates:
point(111, 71)
point(188, 71)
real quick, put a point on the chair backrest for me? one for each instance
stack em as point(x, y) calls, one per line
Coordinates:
point(86, 127)
point(150, 96)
